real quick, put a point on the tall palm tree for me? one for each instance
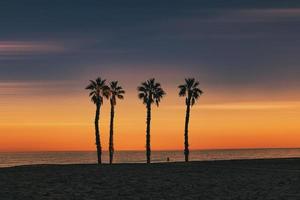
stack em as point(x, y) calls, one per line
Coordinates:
point(116, 92)
point(150, 92)
point(98, 90)
point(191, 91)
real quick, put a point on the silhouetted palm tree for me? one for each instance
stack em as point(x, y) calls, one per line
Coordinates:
point(150, 92)
point(98, 90)
point(116, 92)
point(191, 91)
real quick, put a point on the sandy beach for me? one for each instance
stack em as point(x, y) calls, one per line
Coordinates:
point(240, 179)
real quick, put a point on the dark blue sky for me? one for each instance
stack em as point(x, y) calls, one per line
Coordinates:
point(245, 44)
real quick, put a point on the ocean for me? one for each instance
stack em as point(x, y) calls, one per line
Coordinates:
point(9, 159)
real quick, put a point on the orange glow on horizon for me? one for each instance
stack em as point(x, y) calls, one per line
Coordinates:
point(65, 123)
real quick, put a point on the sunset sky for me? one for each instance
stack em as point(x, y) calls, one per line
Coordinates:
point(245, 55)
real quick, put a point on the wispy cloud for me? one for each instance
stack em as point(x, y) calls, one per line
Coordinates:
point(249, 106)
point(279, 12)
point(14, 48)
point(37, 88)
point(253, 15)
point(252, 106)
point(261, 15)
point(233, 24)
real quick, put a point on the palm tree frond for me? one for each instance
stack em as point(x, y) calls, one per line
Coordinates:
point(141, 88)
point(94, 99)
point(121, 92)
point(193, 101)
point(182, 90)
point(150, 92)
point(116, 91)
point(106, 91)
point(191, 90)
point(196, 84)
point(92, 93)
point(190, 82)
point(120, 96)
point(98, 89)
point(141, 95)
point(91, 86)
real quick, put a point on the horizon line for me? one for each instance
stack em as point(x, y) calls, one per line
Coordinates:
point(213, 149)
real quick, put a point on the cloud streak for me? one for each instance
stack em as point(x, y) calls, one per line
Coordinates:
point(14, 48)
point(284, 105)
point(40, 88)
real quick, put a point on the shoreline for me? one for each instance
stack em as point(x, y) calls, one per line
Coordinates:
point(18, 159)
point(156, 163)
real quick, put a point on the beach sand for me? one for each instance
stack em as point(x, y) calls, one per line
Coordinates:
point(240, 179)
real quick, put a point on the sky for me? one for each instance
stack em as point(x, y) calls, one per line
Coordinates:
point(245, 54)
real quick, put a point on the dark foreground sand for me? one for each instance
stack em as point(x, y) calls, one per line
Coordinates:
point(244, 179)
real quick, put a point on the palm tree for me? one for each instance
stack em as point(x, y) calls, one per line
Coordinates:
point(116, 92)
point(150, 92)
point(98, 90)
point(191, 91)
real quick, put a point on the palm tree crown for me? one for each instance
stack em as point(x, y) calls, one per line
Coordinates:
point(116, 91)
point(150, 92)
point(98, 90)
point(190, 90)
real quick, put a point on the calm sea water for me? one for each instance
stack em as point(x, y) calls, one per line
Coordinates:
point(26, 158)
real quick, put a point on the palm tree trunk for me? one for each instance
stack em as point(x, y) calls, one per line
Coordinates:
point(148, 148)
point(97, 133)
point(186, 132)
point(111, 133)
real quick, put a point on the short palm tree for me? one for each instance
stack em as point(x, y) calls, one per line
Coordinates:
point(150, 92)
point(191, 91)
point(116, 92)
point(98, 90)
